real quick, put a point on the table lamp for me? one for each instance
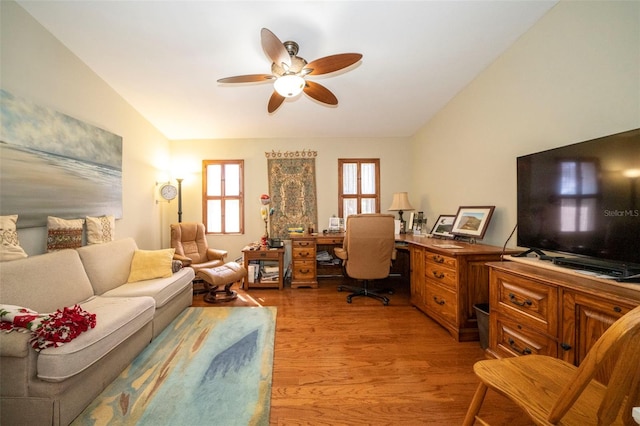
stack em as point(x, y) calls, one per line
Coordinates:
point(399, 204)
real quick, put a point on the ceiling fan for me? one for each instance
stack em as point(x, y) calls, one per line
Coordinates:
point(289, 71)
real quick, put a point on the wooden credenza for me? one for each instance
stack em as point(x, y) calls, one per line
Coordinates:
point(539, 309)
point(446, 282)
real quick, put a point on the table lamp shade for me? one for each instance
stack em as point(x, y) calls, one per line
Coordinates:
point(400, 202)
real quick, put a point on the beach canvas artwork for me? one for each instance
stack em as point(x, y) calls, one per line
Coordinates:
point(55, 165)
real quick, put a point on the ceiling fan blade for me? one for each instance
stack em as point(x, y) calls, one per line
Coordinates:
point(274, 48)
point(275, 101)
point(332, 63)
point(250, 78)
point(320, 93)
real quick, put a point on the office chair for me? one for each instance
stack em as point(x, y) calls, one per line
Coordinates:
point(367, 252)
point(551, 391)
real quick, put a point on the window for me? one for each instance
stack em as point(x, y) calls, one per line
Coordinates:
point(223, 198)
point(358, 186)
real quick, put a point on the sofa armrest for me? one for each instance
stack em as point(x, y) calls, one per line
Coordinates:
point(15, 344)
point(186, 261)
point(216, 254)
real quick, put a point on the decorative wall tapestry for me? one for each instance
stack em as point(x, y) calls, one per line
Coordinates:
point(292, 186)
point(55, 165)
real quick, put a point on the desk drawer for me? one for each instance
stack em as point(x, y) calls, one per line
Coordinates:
point(442, 302)
point(304, 253)
point(304, 270)
point(441, 274)
point(442, 260)
point(330, 240)
point(302, 243)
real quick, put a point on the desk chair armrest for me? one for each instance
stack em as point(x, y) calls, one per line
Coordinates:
point(340, 253)
point(394, 254)
point(214, 254)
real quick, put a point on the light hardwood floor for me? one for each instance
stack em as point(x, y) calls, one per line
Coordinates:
point(367, 364)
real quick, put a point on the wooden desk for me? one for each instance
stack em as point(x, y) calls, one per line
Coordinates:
point(448, 278)
point(270, 256)
point(304, 267)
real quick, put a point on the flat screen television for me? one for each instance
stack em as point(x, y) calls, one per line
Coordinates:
point(582, 202)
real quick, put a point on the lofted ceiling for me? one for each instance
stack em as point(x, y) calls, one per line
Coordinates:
point(165, 57)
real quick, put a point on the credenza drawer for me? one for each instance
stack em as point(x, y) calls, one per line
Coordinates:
point(304, 269)
point(513, 339)
point(528, 302)
point(302, 243)
point(441, 301)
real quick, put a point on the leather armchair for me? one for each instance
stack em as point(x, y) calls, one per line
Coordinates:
point(367, 252)
point(192, 249)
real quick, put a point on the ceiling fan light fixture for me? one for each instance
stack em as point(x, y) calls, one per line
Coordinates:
point(289, 85)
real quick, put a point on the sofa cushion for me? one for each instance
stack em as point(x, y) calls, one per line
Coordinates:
point(117, 318)
point(45, 282)
point(108, 264)
point(150, 264)
point(161, 289)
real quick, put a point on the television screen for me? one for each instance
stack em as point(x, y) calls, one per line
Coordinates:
point(583, 199)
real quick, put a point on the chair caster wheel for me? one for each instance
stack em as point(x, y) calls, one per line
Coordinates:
point(348, 300)
point(385, 301)
point(339, 288)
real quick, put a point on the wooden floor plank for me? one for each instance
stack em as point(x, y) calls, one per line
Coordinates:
point(367, 364)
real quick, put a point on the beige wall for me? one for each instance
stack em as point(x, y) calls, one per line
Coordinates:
point(574, 76)
point(36, 66)
point(394, 160)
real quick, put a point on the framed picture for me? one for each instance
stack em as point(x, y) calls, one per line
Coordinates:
point(443, 226)
point(334, 224)
point(472, 221)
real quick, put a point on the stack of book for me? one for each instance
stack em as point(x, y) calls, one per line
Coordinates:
point(269, 274)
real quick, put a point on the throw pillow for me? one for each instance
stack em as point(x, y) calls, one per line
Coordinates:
point(149, 264)
point(63, 233)
point(10, 248)
point(100, 229)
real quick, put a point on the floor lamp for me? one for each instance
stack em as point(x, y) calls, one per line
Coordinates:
point(399, 204)
point(179, 200)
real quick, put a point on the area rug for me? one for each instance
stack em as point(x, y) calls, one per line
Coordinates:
point(209, 366)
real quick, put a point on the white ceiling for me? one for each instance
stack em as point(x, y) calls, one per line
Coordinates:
point(164, 58)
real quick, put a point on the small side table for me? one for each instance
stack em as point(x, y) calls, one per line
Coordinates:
point(269, 257)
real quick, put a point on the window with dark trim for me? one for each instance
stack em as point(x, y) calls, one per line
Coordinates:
point(223, 196)
point(358, 186)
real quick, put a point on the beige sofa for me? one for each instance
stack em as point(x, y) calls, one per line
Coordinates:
point(54, 385)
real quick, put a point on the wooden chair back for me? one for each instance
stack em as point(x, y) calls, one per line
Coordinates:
point(621, 340)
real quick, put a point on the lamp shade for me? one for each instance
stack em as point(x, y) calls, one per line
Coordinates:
point(289, 85)
point(400, 202)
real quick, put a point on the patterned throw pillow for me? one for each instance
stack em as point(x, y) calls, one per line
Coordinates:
point(63, 234)
point(10, 248)
point(100, 229)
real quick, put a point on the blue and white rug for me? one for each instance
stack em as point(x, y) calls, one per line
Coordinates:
point(210, 366)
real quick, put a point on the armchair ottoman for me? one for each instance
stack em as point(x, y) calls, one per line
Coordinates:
point(224, 275)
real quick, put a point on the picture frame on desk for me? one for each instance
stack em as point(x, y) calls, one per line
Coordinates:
point(472, 221)
point(442, 227)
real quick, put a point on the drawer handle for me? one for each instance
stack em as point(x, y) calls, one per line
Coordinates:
point(565, 346)
point(439, 302)
point(617, 309)
point(303, 244)
point(525, 351)
point(514, 300)
point(305, 271)
point(305, 254)
point(438, 275)
point(438, 259)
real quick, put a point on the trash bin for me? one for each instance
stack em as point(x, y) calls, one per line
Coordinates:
point(482, 314)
